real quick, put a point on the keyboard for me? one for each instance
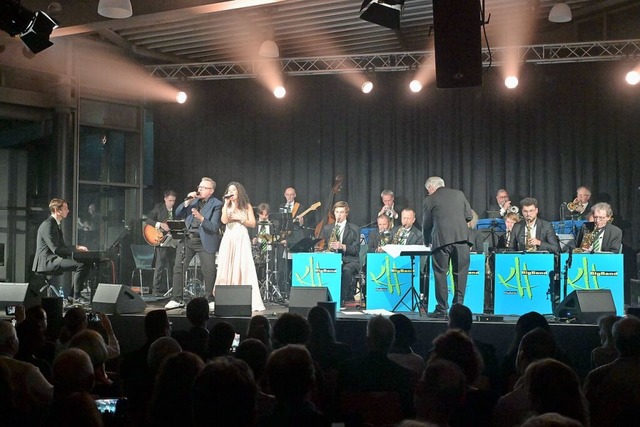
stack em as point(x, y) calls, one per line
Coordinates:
point(90, 256)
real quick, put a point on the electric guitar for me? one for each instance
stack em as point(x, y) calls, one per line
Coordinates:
point(154, 236)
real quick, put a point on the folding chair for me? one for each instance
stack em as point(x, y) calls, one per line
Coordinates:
point(143, 257)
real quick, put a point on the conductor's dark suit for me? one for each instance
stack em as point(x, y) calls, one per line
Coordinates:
point(52, 257)
point(164, 256)
point(544, 232)
point(350, 256)
point(444, 226)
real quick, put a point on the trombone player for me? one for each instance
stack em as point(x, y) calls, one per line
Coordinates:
point(600, 235)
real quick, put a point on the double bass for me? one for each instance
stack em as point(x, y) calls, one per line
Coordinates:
point(329, 217)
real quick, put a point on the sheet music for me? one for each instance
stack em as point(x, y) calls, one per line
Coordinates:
point(395, 250)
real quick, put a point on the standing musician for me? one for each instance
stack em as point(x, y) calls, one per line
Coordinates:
point(602, 235)
point(52, 253)
point(406, 233)
point(533, 234)
point(202, 214)
point(344, 238)
point(388, 206)
point(165, 256)
point(380, 237)
point(580, 205)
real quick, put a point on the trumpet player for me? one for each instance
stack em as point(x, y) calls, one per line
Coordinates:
point(602, 235)
point(533, 234)
point(406, 233)
point(388, 206)
point(502, 197)
point(580, 205)
point(380, 237)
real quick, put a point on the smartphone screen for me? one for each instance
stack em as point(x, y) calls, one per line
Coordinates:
point(236, 343)
point(106, 406)
point(10, 310)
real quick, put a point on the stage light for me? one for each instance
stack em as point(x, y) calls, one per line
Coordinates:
point(116, 9)
point(34, 28)
point(382, 12)
point(367, 86)
point(181, 97)
point(415, 86)
point(269, 49)
point(560, 12)
point(511, 82)
point(279, 92)
point(633, 77)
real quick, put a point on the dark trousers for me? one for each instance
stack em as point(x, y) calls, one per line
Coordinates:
point(165, 258)
point(82, 273)
point(349, 271)
point(458, 254)
point(207, 264)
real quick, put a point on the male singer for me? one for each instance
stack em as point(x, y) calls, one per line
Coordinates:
point(164, 255)
point(52, 253)
point(444, 226)
point(202, 214)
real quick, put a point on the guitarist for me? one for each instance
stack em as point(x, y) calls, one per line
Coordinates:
point(296, 232)
point(164, 256)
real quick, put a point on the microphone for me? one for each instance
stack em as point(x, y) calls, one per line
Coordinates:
point(186, 199)
point(227, 196)
point(570, 259)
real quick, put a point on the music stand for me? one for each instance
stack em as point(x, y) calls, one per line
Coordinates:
point(305, 245)
point(412, 251)
point(179, 227)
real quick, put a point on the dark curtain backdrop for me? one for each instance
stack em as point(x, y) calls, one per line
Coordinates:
point(564, 126)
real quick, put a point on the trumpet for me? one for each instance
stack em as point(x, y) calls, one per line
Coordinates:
point(574, 206)
point(513, 209)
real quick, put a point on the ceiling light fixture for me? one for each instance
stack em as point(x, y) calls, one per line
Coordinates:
point(560, 12)
point(269, 49)
point(116, 9)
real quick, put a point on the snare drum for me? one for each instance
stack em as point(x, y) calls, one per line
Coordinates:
point(256, 252)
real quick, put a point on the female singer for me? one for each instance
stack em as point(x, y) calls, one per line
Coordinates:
point(235, 260)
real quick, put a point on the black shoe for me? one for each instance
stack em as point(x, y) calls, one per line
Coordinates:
point(437, 315)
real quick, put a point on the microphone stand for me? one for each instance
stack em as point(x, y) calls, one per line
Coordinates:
point(565, 275)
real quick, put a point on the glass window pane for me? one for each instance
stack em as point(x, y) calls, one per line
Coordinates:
point(109, 155)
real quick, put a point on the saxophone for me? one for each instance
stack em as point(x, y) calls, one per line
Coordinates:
point(334, 237)
point(384, 238)
point(397, 238)
point(528, 247)
point(587, 240)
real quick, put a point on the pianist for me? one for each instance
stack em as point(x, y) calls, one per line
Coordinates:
point(53, 255)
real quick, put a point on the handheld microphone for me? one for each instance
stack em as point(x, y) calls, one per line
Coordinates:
point(227, 196)
point(186, 199)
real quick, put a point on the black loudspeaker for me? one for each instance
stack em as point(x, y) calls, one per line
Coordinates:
point(233, 301)
point(117, 299)
point(303, 298)
point(458, 45)
point(382, 12)
point(586, 306)
point(18, 294)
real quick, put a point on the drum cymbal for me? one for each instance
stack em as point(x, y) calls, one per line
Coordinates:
point(269, 238)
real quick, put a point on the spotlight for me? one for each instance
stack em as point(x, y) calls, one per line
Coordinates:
point(269, 49)
point(415, 86)
point(633, 77)
point(382, 12)
point(279, 92)
point(117, 9)
point(511, 82)
point(181, 97)
point(560, 12)
point(34, 28)
point(367, 86)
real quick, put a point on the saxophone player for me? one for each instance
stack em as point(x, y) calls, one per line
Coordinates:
point(406, 233)
point(388, 206)
point(382, 236)
point(600, 235)
point(533, 234)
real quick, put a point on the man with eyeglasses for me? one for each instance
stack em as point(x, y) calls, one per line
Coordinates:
point(607, 237)
point(201, 212)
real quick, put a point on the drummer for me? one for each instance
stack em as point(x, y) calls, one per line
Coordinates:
point(264, 226)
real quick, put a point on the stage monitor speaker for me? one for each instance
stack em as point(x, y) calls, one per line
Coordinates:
point(117, 299)
point(233, 301)
point(303, 298)
point(586, 306)
point(458, 44)
point(18, 294)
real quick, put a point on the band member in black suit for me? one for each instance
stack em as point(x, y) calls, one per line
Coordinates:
point(295, 208)
point(344, 237)
point(605, 236)
point(444, 226)
point(533, 234)
point(165, 257)
point(510, 219)
point(52, 253)
point(380, 237)
point(388, 206)
point(406, 233)
point(504, 203)
point(581, 205)
point(201, 212)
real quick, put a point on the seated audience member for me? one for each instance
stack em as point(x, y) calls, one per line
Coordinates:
point(72, 373)
point(291, 378)
point(75, 320)
point(224, 394)
point(159, 350)
point(455, 346)
point(551, 419)
point(401, 351)
point(221, 339)
point(552, 386)
point(255, 354)
point(32, 340)
point(375, 372)
point(75, 409)
point(514, 407)
point(36, 314)
point(260, 328)
point(460, 317)
point(440, 392)
point(92, 343)
point(30, 390)
point(8, 411)
point(322, 344)
point(196, 338)
point(290, 328)
point(173, 390)
point(613, 390)
point(607, 352)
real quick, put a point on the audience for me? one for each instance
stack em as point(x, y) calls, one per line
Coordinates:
point(75, 321)
point(613, 390)
point(221, 339)
point(607, 352)
point(401, 351)
point(260, 328)
point(255, 354)
point(159, 350)
point(32, 340)
point(440, 392)
point(551, 419)
point(72, 373)
point(290, 328)
point(92, 343)
point(75, 409)
point(322, 345)
point(196, 338)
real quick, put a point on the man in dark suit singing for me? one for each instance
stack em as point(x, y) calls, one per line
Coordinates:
point(165, 256)
point(444, 226)
point(53, 254)
point(344, 237)
point(533, 234)
point(202, 214)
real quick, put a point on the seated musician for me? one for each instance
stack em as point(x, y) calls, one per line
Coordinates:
point(510, 219)
point(406, 233)
point(600, 235)
point(580, 206)
point(53, 255)
point(382, 236)
point(533, 234)
point(476, 239)
point(344, 238)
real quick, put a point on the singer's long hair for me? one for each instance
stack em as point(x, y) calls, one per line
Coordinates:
point(242, 201)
